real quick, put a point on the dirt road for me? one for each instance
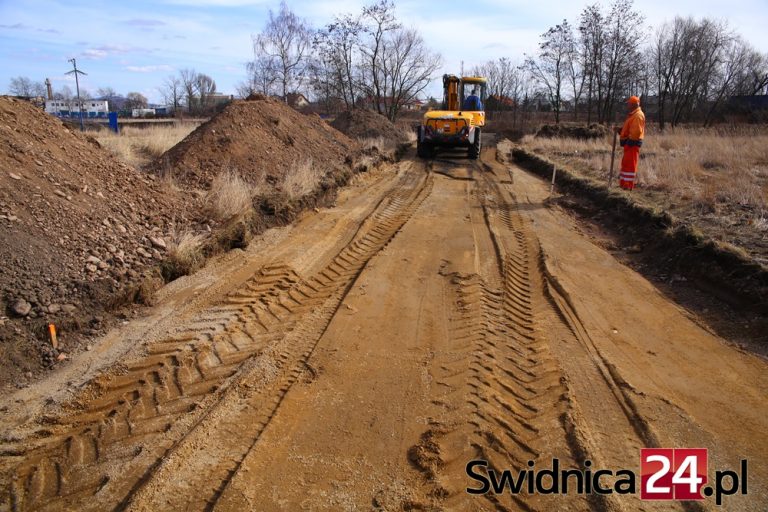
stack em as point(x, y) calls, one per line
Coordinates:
point(440, 313)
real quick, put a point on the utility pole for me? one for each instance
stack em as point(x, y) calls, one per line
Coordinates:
point(76, 71)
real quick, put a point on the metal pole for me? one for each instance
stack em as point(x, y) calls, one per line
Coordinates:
point(77, 86)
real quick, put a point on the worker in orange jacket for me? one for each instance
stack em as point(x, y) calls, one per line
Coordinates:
point(631, 138)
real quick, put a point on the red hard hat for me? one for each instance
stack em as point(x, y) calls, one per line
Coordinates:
point(633, 100)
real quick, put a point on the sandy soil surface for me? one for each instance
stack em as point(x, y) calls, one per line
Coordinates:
point(439, 313)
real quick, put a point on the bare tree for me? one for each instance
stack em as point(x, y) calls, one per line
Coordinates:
point(592, 35)
point(407, 68)
point(188, 79)
point(64, 94)
point(172, 91)
point(575, 74)
point(337, 46)
point(738, 57)
point(505, 79)
point(754, 79)
point(106, 92)
point(262, 76)
point(205, 86)
point(135, 100)
point(114, 100)
point(687, 57)
point(378, 21)
point(501, 75)
point(286, 42)
point(624, 35)
point(550, 67)
point(24, 86)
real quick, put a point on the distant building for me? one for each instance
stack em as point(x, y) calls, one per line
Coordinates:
point(161, 110)
point(143, 112)
point(71, 108)
point(297, 100)
point(413, 105)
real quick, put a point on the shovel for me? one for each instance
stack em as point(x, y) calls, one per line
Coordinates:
point(613, 157)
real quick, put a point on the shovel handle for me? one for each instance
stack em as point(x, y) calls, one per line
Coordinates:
point(613, 157)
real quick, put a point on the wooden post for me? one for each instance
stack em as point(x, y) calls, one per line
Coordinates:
point(554, 172)
point(613, 156)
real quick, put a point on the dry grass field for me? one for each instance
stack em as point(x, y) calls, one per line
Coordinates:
point(139, 146)
point(716, 178)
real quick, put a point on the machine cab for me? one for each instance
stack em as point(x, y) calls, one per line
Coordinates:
point(472, 86)
point(466, 95)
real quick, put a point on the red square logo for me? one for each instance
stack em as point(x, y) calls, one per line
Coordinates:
point(656, 474)
point(672, 474)
point(690, 473)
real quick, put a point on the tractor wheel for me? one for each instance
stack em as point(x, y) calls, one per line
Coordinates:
point(474, 149)
point(423, 150)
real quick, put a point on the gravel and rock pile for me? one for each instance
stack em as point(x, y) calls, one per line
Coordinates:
point(77, 227)
point(262, 139)
point(365, 124)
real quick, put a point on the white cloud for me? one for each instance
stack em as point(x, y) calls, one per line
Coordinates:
point(93, 53)
point(149, 69)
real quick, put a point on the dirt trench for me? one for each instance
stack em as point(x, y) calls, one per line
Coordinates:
point(439, 314)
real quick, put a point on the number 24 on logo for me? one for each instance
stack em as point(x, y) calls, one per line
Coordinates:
point(672, 473)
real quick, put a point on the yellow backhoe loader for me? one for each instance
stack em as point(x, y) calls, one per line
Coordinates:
point(460, 122)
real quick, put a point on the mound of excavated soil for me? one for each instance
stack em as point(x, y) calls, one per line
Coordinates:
point(592, 131)
point(365, 124)
point(261, 139)
point(76, 228)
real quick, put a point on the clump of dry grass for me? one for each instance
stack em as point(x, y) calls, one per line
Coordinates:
point(378, 143)
point(185, 255)
point(301, 179)
point(229, 198)
point(139, 146)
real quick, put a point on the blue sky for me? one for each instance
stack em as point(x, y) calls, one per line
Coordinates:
point(133, 46)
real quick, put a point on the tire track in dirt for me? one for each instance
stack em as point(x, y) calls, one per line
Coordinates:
point(629, 431)
point(501, 394)
point(102, 453)
point(125, 423)
point(196, 483)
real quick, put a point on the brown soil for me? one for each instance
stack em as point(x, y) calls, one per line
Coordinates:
point(261, 139)
point(75, 233)
point(442, 312)
point(366, 124)
point(592, 131)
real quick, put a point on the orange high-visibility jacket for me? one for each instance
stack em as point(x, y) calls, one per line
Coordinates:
point(633, 131)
